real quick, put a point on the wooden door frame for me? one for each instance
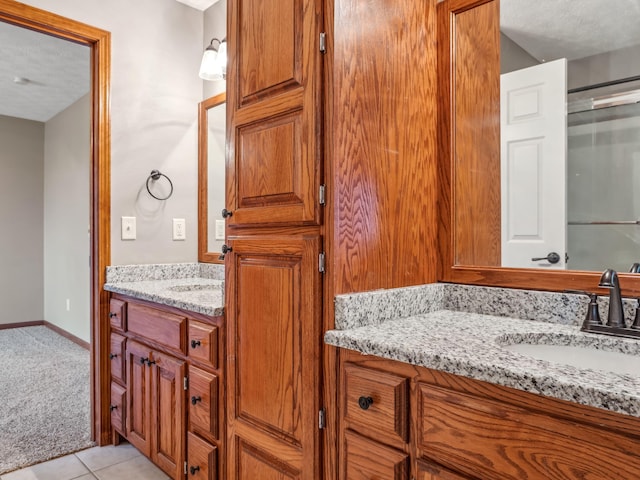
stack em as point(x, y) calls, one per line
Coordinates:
point(99, 41)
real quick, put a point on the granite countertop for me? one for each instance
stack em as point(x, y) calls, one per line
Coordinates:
point(201, 295)
point(470, 344)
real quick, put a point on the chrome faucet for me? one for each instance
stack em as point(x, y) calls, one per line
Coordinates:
point(615, 318)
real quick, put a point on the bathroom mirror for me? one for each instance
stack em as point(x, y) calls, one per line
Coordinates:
point(496, 167)
point(211, 174)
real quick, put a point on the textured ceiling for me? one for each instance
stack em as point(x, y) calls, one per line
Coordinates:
point(551, 29)
point(57, 73)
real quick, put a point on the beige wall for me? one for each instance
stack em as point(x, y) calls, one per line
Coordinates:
point(66, 219)
point(155, 90)
point(21, 217)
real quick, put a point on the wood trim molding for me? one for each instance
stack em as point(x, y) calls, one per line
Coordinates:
point(67, 335)
point(203, 179)
point(35, 323)
point(100, 43)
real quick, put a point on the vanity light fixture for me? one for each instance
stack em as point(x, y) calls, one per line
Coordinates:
point(214, 61)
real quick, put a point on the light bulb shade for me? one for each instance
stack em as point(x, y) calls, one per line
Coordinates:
point(209, 69)
point(221, 59)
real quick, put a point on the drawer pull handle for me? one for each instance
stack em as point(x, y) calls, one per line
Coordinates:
point(195, 400)
point(195, 343)
point(193, 470)
point(112, 407)
point(365, 402)
point(112, 315)
point(113, 355)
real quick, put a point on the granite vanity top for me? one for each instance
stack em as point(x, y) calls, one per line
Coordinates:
point(193, 287)
point(471, 344)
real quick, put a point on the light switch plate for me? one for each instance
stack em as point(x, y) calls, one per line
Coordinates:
point(128, 228)
point(220, 229)
point(179, 229)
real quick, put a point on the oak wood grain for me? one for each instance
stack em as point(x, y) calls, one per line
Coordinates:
point(481, 430)
point(204, 407)
point(157, 326)
point(366, 460)
point(202, 459)
point(383, 144)
point(274, 342)
point(202, 343)
point(117, 355)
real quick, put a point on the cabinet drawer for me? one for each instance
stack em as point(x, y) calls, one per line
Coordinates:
point(117, 406)
point(366, 460)
point(201, 458)
point(203, 403)
point(203, 343)
point(118, 314)
point(164, 328)
point(490, 439)
point(376, 403)
point(117, 352)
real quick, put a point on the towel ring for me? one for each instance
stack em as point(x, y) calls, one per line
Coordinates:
point(155, 175)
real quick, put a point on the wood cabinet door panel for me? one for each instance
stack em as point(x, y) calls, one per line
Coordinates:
point(117, 353)
point(169, 413)
point(202, 462)
point(138, 398)
point(491, 439)
point(269, 48)
point(274, 348)
point(203, 408)
point(431, 471)
point(369, 460)
point(203, 343)
point(274, 117)
point(376, 403)
point(158, 326)
point(255, 463)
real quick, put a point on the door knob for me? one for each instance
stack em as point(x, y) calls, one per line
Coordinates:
point(226, 213)
point(553, 257)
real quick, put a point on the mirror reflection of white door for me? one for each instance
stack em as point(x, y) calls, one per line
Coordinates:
point(533, 151)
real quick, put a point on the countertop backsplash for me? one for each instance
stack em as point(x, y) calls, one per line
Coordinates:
point(375, 307)
point(164, 271)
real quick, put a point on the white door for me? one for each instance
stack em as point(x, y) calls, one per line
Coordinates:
point(533, 149)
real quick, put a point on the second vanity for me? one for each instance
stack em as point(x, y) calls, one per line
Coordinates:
point(432, 386)
point(167, 364)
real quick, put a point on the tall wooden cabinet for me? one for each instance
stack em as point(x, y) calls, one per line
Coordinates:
point(331, 148)
point(274, 300)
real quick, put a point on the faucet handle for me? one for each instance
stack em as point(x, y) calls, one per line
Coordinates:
point(593, 314)
point(592, 318)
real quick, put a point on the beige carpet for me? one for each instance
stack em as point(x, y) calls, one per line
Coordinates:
point(44, 397)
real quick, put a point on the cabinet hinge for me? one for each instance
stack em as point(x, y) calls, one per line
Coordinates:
point(186, 470)
point(323, 42)
point(322, 200)
point(322, 419)
point(321, 261)
point(185, 383)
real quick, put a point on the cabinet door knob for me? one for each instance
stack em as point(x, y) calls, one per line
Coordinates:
point(193, 470)
point(112, 356)
point(226, 213)
point(365, 402)
point(112, 407)
point(143, 360)
point(112, 315)
point(226, 249)
point(195, 343)
point(195, 400)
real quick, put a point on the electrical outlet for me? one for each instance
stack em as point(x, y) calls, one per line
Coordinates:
point(128, 228)
point(220, 229)
point(179, 229)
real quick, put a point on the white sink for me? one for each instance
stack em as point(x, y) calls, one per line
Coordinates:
point(581, 357)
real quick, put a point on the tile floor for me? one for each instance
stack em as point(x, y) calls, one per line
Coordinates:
point(104, 463)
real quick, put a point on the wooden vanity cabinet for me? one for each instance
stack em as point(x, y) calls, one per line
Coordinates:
point(459, 428)
point(168, 402)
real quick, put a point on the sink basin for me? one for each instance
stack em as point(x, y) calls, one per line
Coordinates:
point(581, 357)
